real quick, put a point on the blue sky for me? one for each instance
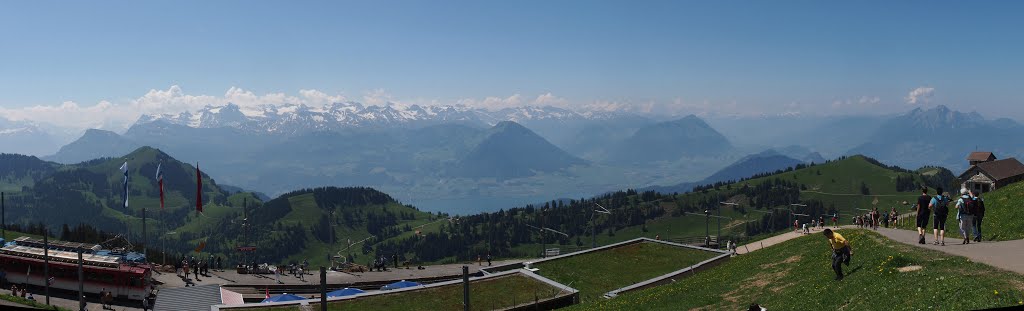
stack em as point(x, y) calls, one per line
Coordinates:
point(710, 57)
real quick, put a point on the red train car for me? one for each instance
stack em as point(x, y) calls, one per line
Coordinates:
point(23, 264)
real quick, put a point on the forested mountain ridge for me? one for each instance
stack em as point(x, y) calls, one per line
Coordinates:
point(87, 198)
point(91, 192)
point(360, 223)
point(19, 171)
point(834, 187)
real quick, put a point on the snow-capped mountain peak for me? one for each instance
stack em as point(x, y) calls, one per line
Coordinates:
point(292, 118)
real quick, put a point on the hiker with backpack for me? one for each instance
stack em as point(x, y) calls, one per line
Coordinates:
point(922, 214)
point(964, 206)
point(980, 213)
point(940, 208)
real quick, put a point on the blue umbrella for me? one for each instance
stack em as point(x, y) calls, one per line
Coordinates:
point(401, 284)
point(284, 297)
point(345, 292)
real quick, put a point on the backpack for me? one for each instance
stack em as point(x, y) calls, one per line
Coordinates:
point(941, 206)
point(970, 206)
point(981, 207)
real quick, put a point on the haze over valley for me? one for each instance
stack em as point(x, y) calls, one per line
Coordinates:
point(463, 160)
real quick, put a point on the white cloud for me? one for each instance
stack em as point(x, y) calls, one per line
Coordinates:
point(378, 97)
point(864, 102)
point(493, 103)
point(921, 95)
point(70, 114)
point(548, 99)
point(318, 98)
point(119, 116)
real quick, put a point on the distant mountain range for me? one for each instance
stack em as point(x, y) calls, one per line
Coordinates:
point(509, 150)
point(443, 160)
point(427, 153)
point(92, 145)
point(764, 162)
point(301, 119)
point(941, 136)
point(26, 138)
point(443, 153)
point(669, 141)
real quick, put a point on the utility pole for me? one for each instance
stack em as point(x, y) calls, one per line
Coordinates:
point(245, 230)
point(143, 230)
point(707, 224)
point(707, 228)
point(3, 215)
point(465, 288)
point(46, 264)
point(734, 206)
point(593, 223)
point(323, 288)
point(330, 247)
point(81, 281)
point(791, 212)
point(593, 229)
point(543, 242)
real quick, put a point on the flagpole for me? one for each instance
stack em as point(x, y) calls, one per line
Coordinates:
point(46, 263)
point(163, 239)
point(81, 282)
point(3, 216)
point(160, 186)
point(143, 230)
point(199, 208)
point(127, 223)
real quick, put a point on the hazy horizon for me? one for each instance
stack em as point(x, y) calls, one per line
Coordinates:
point(101, 66)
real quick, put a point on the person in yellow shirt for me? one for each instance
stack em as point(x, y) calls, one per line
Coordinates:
point(841, 252)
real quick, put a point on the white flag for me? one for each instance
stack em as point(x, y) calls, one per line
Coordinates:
point(124, 169)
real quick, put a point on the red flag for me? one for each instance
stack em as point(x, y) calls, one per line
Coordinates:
point(268, 292)
point(199, 189)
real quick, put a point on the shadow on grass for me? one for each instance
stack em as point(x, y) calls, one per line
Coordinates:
point(855, 269)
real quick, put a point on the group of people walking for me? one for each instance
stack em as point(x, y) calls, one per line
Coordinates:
point(296, 270)
point(197, 267)
point(820, 223)
point(970, 211)
point(874, 219)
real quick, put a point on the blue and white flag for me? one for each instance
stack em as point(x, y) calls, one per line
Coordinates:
point(124, 168)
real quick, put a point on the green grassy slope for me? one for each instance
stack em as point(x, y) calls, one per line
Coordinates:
point(837, 184)
point(493, 294)
point(1002, 220)
point(597, 273)
point(19, 171)
point(306, 211)
point(796, 275)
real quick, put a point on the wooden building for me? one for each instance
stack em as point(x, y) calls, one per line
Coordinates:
point(986, 173)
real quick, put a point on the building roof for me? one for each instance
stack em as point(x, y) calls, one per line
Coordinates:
point(981, 156)
point(61, 256)
point(55, 244)
point(1002, 169)
point(188, 298)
